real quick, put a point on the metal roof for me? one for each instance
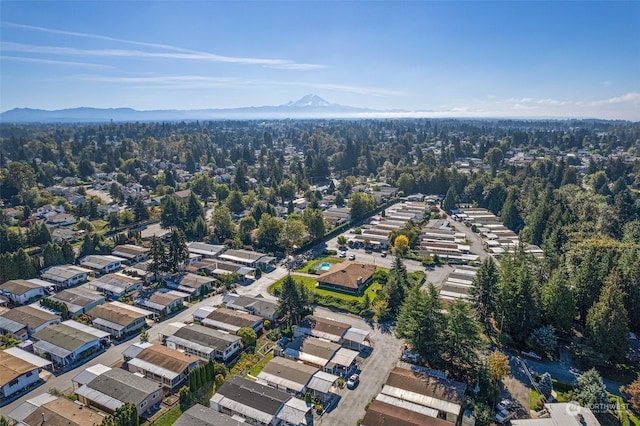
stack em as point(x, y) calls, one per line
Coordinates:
point(155, 369)
point(199, 415)
point(322, 382)
point(424, 400)
point(28, 356)
point(344, 357)
point(99, 398)
point(64, 337)
point(123, 385)
point(407, 405)
point(293, 411)
point(10, 325)
point(87, 329)
point(133, 350)
point(356, 335)
point(52, 348)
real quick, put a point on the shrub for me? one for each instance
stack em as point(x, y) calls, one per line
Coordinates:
point(329, 252)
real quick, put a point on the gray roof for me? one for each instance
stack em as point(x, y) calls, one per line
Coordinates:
point(240, 392)
point(19, 287)
point(64, 336)
point(287, 373)
point(77, 298)
point(206, 336)
point(30, 316)
point(10, 326)
point(123, 386)
point(199, 415)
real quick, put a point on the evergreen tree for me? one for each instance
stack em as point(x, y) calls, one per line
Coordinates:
point(421, 323)
point(590, 389)
point(140, 211)
point(483, 291)
point(608, 323)
point(558, 302)
point(462, 340)
point(178, 253)
point(194, 208)
point(68, 253)
point(294, 300)
point(510, 215)
point(450, 200)
point(158, 257)
point(545, 385)
point(172, 213)
point(52, 255)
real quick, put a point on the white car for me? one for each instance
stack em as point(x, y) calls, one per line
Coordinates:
point(352, 257)
point(353, 381)
point(342, 254)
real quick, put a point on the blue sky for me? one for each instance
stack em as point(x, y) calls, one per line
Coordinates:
point(436, 58)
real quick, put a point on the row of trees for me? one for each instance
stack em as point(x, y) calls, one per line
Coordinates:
point(57, 306)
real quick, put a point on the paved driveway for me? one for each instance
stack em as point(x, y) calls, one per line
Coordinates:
point(374, 371)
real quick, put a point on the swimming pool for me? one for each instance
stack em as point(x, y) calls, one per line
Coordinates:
point(324, 267)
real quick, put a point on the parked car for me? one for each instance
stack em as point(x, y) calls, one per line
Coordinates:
point(504, 405)
point(353, 381)
point(384, 254)
point(503, 416)
point(352, 257)
point(343, 254)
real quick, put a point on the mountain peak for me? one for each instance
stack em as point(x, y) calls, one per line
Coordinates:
point(310, 100)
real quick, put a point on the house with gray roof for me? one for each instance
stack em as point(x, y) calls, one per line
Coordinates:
point(259, 404)
point(65, 275)
point(79, 300)
point(161, 364)
point(191, 284)
point(114, 387)
point(202, 342)
point(116, 285)
point(33, 319)
point(232, 321)
point(256, 305)
point(161, 303)
point(199, 415)
point(65, 345)
point(22, 291)
point(102, 264)
point(207, 251)
point(131, 252)
point(119, 319)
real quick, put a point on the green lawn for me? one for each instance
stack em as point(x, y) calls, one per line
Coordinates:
point(312, 264)
point(257, 368)
point(169, 417)
point(311, 284)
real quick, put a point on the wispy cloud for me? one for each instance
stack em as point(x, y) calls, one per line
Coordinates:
point(52, 61)
point(204, 82)
point(180, 53)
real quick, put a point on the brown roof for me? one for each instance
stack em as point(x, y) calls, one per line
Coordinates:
point(442, 389)
point(168, 358)
point(346, 274)
point(325, 325)
point(18, 287)
point(63, 412)
point(163, 298)
point(29, 316)
point(115, 314)
point(235, 318)
point(382, 414)
point(12, 366)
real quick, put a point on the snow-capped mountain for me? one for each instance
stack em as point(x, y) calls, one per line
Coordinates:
point(309, 106)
